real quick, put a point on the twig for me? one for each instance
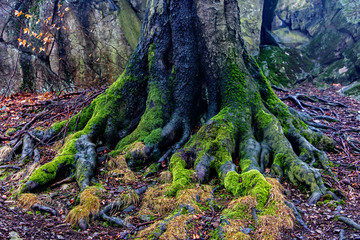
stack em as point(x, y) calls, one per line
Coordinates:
point(10, 166)
point(66, 180)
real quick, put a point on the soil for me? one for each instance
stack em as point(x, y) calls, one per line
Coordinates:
point(20, 109)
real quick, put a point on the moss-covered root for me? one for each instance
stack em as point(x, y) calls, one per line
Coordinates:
point(209, 149)
point(285, 160)
point(87, 209)
point(85, 161)
point(251, 183)
point(274, 217)
point(60, 166)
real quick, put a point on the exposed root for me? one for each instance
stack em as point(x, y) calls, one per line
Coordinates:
point(115, 220)
point(85, 161)
point(87, 209)
point(349, 222)
point(41, 208)
point(297, 214)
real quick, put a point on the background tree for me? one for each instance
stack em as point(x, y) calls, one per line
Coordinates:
point(191, 69)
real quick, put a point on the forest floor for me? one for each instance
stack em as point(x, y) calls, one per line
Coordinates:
point(20, 113)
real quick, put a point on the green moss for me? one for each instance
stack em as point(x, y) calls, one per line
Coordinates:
point(252, 183)
point(235, 84)
point(181, 176)
point(245, 164)
point(153, 168)
point(283, 67)
point(328, 197)
point(149, 127)
point(48, 171)
point(263, 119)
point(151, 55)
point(154, 137)
point(279, 159)
point(10, 131)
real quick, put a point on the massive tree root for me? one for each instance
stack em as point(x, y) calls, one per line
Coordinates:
point(190, 71)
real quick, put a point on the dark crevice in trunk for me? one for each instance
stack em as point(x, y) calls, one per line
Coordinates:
point(267, 18)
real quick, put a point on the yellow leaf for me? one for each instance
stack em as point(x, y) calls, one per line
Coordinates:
point(59, 5)
point(33, 49)
point(19, 39)
point(52, 26)
point(41, 49)
point(22, 43)
point(64, 28)
point(17, 13)
point(58, 28)
point(49, 18)
point(33, 34)
point(67, 9)
point(28, 16)
point(26, 30)
point(37, 21)
point(39, 36)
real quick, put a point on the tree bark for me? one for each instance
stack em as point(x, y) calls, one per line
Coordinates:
point(191, 68)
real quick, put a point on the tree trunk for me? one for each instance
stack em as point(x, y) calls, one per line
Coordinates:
point(191, 69)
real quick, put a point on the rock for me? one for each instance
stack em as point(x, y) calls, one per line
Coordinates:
point(247, 230)
point(120, 189)
point(129, 209)
point(28, 148)
point(83, 225)
point(251, 20)
point(14, 236)
point(115, 29)
point(141, 190)
point(145, 218)
point(346, 181)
